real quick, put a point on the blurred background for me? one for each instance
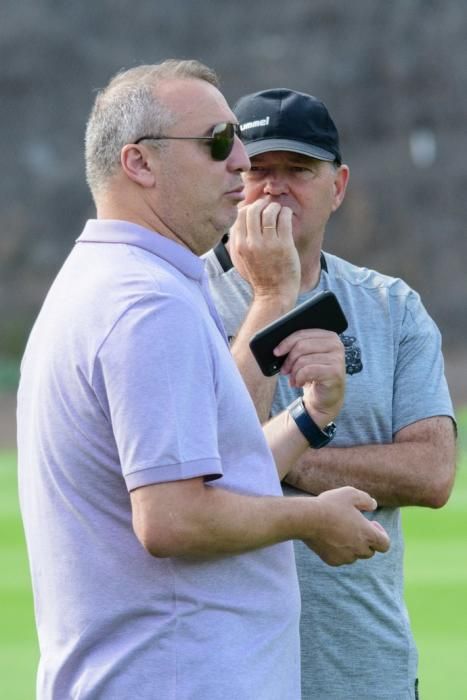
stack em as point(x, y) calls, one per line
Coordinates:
point(391, 73)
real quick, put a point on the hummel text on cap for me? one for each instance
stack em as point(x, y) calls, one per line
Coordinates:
point(285, 120)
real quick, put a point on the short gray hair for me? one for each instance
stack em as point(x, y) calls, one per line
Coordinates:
point(129, 108)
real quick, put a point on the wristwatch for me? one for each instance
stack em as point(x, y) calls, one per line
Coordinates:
point(316, 436)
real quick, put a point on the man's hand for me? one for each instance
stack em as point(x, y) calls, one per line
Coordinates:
point(262, 249)
point(344, 534)
point(316, 361)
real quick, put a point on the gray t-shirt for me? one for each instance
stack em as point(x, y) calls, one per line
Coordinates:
point(355, 632)
point(127, 380)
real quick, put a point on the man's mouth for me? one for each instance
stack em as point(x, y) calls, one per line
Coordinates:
point(238, 194)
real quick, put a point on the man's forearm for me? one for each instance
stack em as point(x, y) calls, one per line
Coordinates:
point(211, 521)
point(417, 469)
point(286, 441)
point(261, 388)
point(382, 470)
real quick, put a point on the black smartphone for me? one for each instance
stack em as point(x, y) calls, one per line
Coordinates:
point(322, 311)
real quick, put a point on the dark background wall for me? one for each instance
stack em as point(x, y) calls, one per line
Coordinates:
point(393, 74)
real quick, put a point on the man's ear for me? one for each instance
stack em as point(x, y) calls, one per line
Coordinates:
point(340, 185)
point(136, 165)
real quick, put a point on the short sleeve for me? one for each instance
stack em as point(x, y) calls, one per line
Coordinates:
point(155, 375)
point(420, 387)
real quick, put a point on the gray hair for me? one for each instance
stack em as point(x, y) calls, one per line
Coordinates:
point(129, 108)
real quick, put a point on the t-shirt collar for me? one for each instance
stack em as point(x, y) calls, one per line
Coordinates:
point(116, 231)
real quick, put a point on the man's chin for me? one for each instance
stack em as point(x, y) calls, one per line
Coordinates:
point(225, 223)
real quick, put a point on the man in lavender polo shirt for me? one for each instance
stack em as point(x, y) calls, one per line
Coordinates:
point(156, 530)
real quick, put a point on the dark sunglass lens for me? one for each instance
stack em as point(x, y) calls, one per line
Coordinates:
point(222, 141)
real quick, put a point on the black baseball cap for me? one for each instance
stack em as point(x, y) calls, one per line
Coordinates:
point(286, 120)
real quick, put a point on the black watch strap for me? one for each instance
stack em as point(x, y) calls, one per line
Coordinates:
point(316, 436)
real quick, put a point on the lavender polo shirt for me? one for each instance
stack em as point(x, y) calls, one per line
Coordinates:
point(127, 380)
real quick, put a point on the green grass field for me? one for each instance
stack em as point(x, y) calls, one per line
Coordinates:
point(436, 586)
point(436, 590)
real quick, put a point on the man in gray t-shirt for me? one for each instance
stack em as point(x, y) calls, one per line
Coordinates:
point(395, 434)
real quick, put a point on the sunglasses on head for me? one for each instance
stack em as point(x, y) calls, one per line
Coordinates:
point(221, 139)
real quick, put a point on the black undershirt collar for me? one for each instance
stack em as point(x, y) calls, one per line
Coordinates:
point(225, 261)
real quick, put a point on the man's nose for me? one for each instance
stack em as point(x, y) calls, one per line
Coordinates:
point(238, 158)
point(275, 183)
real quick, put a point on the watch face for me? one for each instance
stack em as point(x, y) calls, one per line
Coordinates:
point(325, 436)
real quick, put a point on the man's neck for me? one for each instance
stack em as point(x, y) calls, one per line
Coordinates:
point(310, 262)
point(110, 207)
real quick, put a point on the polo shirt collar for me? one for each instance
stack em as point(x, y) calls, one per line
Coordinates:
point(125, 232)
